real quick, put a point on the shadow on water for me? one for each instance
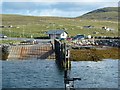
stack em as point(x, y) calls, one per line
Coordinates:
point(59, 67)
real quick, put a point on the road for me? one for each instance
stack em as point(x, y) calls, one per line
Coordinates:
point(22, 39)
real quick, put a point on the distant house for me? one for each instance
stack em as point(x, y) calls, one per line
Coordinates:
point(79, 37)
point(3, 36)
point(53, 34)
point(1, 26)
point(107, 29)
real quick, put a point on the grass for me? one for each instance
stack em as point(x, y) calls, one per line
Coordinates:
point(109, 13)
point(94, 54)
point(28, 26)
point(9, 41)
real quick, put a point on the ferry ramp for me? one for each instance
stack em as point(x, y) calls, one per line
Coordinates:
point(26, 52)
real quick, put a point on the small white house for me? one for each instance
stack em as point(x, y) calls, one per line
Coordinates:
point(53, 34)
point(107, 29)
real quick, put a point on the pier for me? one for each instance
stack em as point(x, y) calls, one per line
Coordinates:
point(62, 53)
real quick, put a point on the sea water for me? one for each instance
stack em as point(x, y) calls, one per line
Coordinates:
point(46, 74)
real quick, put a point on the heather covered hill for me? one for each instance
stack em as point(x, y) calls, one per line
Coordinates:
point(109, 13)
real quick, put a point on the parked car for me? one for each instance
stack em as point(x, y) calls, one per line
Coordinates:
point(3, 36)
point(78, 37)
point(29, 42)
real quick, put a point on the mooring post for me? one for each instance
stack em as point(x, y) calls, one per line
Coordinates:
point(62, 53)
point(69, 82)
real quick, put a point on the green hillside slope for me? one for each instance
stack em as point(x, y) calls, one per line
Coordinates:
point(109, 13)
point(27, 26)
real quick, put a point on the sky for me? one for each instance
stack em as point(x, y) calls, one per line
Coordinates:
point(60, 8)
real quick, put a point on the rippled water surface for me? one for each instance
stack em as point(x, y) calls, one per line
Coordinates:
point(45, 74)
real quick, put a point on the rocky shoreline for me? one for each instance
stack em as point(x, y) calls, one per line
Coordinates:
point(4, 52)
point(104, 50)
point(95, 54)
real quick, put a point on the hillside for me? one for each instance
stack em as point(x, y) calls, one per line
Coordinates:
point(109, 13)
point(25, 26)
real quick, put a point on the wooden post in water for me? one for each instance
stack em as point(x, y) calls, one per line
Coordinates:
point(62, 54)
point(69, 82)
point(57, 46)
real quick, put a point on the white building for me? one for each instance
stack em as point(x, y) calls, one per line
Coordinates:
point(53, 34)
